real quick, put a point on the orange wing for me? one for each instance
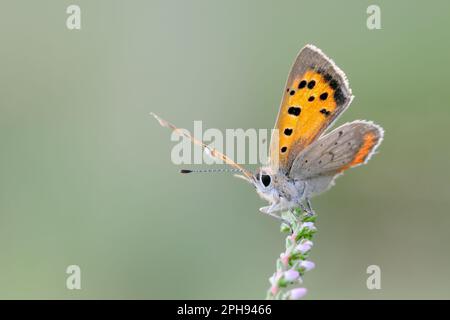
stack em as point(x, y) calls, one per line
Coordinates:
point(316, 93)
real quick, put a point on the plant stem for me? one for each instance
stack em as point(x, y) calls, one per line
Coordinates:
point(293, 262)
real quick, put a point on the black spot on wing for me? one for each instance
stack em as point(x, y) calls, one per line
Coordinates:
point(302, 84)
point(295, 111)
point(324, 96)
point(311, 84)
point(288, 131)
point(332, 155)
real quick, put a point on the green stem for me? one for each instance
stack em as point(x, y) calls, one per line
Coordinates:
point(293, 262)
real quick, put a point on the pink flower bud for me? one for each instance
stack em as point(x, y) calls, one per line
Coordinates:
point(284, 259)
point(291, 275)
point(297, 293)
point(274, 290)
point(307, 265)
point(309, 225)
point(305, 246)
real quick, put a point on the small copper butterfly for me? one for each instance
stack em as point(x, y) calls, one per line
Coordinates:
point(304, 160)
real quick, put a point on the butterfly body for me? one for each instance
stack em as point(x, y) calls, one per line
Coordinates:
point(278, 189)
point(304, 159)
point(282, 193)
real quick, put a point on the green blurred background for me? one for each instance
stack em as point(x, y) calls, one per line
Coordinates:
point(86, 176)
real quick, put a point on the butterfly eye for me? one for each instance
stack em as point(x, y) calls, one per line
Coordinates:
point(266, 179)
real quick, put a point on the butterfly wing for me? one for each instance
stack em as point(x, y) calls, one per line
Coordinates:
point(316, 93)
point(211, 151)
point(348, 146)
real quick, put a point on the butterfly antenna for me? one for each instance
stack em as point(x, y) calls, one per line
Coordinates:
point(185, 171)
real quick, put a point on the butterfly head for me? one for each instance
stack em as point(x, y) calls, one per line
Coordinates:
point(265, 182)
point(262, 179)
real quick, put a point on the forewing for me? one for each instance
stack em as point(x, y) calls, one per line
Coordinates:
point(348, 146)
point(316, 93)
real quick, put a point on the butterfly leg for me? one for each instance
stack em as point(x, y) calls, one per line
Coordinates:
point(302, 206)
point(309, 210)
point(269, 210)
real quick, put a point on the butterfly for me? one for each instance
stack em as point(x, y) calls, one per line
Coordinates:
point(304, 159)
